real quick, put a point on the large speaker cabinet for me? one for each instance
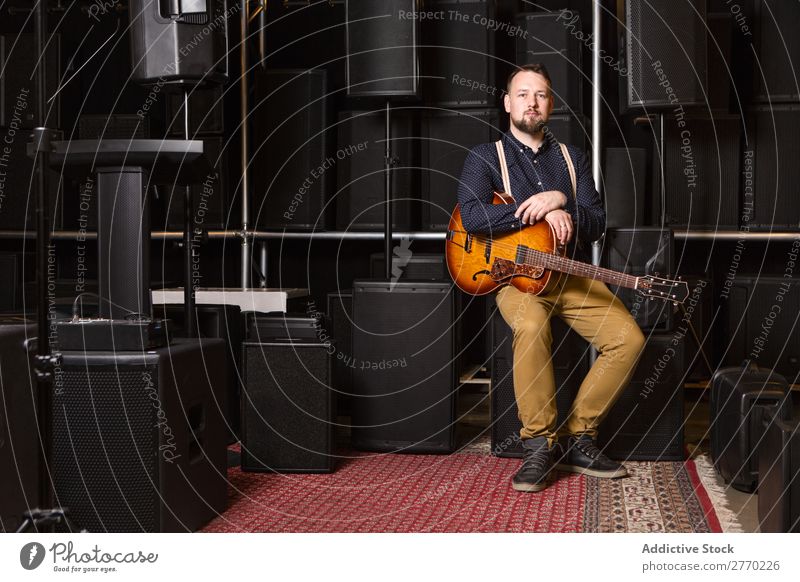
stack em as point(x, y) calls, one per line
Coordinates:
point(404, 377)
point(138, 438)
point(624, 178)
point(666, 53)
point(779, 478)
point(646, 423)
point(287, 407)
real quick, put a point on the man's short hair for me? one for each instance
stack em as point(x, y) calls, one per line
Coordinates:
point(532, 68)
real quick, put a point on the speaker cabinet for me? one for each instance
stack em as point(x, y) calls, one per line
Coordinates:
point(721, 63)
point(447, 138)
point(693, 328)
point(761, 323)
point(360, 198)
point(779, 478)
point(340, 325)
point(382, 48)
point(413, 266)
point(19, 442)
point(404, 366)
point(570, 129)
point(641, 251)
point(293, 164)
point(205, 113)
point(778, 49)
point(771, 166)
point(19, 59)
point(549, 39)
point(646, 423)
point(458, 58)
point(287, 407)
point(701, 172)
point(666, 53)
point(138, 438)
point(179, 43)
point(624, 177)
point(570, 357)
point(117, 126)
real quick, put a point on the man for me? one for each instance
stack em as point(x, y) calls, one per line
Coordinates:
point(542, 190)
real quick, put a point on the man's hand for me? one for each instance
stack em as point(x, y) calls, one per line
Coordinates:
point(561, 221)
point(537, 206)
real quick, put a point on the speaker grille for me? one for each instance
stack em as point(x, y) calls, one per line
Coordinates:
point(624, 184)
point(778, 51)
point(673, 35)
point(109, 407)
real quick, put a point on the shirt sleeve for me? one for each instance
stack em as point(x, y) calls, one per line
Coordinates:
point(586, 209)
point(476, 192)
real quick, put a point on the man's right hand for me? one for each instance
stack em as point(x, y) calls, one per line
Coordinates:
point(537, 206)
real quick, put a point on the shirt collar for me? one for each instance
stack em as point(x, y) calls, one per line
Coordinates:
point(549, 139)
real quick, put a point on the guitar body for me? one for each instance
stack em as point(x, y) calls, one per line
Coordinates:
point(479, 264)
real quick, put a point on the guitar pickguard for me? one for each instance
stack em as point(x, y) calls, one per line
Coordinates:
point(504, 269)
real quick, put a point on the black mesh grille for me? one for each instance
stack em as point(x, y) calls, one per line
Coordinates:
point(105, 447)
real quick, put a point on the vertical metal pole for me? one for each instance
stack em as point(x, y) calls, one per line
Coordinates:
point(245, 147)
point(597, 113)
point(262, 261)
point(188, 248)
point(387, 174)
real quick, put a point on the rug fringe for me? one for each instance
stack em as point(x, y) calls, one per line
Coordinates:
point(716, 488)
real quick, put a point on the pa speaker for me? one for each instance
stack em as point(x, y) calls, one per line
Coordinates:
point(624, 180)
point(19, 443)
point(287, 407)
point(641, 251)
point(404, 366)
point(779, 478)
point(701, 172)
point(666, 53)
point(293, 165)
point(458, 57)
point(570, 129)
point(181, 43)
point(382, 47)
point(138, 439)
point(340, 325)
point(769, 168)
point(778, 49)
point(448, 136)
point(570, 357)
point(550, 39)
point(410, 266)
point(646, 423)
point(19, 59)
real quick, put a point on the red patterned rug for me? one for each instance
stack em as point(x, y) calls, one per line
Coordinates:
point(464, 492)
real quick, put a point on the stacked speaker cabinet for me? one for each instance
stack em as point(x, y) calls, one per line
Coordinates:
point(19, 60)
point(701, 172)
point(287, 405)
point(447, 138)
point(340, 325)
point(382, 48)
point(779, 478)
point(778, 49)
point(138, 438)
point(550, 39)
point(417, 266)
point(570, 358)
point(665, 53)
point(572, 129)
point(293, 164)
point(404, 376)
point(624, 178)
point(646, 423)
point(458, 61)
point(19, 444)
point(360, 201)
point(770, 163)
point(641, 251)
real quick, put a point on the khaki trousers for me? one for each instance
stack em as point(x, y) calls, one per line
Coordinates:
point(593, 311)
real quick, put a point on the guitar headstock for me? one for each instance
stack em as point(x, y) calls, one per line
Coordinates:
point(666, 289)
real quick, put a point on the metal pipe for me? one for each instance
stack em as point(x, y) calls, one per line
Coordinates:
point(188, 248)
point(262, 262)
point(387, 175)
point(597, 142)
point(245, 146)
point(262, 35)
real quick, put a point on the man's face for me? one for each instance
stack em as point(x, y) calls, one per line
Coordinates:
point(529, 101)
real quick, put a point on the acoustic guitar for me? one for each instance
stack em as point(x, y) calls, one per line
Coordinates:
point(531, 260)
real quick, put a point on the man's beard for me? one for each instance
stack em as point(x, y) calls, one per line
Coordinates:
point(529, 125)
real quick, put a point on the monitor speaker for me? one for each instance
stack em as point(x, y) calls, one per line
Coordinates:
point(641, 251)
point(382, 48)
point(646, 422)
point(570, 357)
point(404, 376)
point(179, 43)
point(138, 438)
point(287, 407)
point(624, 179)
point(666, 53)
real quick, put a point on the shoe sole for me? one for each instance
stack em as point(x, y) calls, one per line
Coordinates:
point(616, 474)
point(529, 488)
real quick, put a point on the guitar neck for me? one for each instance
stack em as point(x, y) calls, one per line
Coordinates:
point(572, 267)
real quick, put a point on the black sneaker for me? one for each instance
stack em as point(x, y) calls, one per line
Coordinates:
point(536, 464)
point(583, 456)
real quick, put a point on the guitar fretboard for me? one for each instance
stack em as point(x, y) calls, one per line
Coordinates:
point(564, 265)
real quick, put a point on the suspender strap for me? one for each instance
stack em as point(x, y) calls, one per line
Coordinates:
point(503, 167)
point(571, 169)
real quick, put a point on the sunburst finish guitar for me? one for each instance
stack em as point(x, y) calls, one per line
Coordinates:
point(531, 260)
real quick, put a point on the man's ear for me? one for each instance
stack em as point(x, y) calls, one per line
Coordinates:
point(507, 103)
point(551, 103)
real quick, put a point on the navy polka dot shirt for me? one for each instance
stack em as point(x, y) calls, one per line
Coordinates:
point(529, 173)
